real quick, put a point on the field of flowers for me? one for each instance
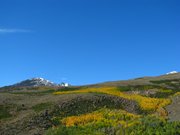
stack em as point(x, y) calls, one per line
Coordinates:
point(114, 122)
point(112, 117)
point(146, 103)
point(106, 121)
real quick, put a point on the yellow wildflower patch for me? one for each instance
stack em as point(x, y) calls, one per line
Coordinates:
point(146, 103)
point(110, 117)
point(177, 94)
point(82, 119)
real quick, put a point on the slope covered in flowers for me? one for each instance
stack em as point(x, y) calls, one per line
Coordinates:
point(113, 122)
point(106, 121)
point(146, 103)
point(113, 117)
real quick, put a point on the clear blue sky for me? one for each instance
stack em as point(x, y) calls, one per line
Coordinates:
point(88, 41)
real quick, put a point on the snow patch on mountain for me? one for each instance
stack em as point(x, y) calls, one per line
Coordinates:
point(172, 72)
point(35, 82)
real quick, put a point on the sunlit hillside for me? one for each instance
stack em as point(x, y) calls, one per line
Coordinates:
point(121, 108)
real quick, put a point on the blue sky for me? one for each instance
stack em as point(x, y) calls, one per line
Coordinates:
point(88, 41)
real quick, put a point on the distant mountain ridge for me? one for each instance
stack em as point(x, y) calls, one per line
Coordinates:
point(39, 82)
point(34, 82)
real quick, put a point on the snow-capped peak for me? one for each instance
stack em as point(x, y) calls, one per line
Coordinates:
point(38, 81)
point(172, 72)
point(38, 78)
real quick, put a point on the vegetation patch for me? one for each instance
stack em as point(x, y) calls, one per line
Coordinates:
point(138, 88)
point(174, 83)
point(87, 103)
point(33, 92)
point(114, 121)
point(42, 106)
point(4, 112)
point(146, 103)
point(102, 115)
point(165, 81)
point(70, 88)
point(163, 93)
point(177, 94)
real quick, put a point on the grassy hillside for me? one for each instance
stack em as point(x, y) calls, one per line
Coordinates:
point(147, 106)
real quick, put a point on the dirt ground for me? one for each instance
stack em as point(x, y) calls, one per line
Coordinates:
point(20, 107)
point(174, 109)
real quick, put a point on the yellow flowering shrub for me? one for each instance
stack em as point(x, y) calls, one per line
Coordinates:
point(82, 119)
point(106, 116)
point(162, 112)
point(177, 94)
point(146, 103)
point(120, 114)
